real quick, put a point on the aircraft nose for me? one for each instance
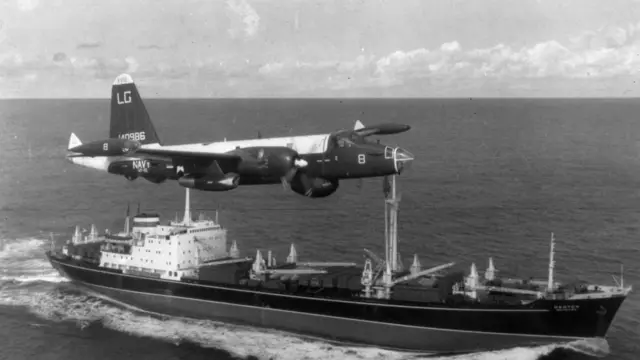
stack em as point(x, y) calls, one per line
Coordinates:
point(402, 159)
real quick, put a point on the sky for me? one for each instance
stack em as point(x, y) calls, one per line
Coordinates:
point(329, 48)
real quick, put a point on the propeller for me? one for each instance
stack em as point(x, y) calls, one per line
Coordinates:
point(297, 163)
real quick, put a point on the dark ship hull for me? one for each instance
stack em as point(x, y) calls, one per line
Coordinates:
point(335, 312)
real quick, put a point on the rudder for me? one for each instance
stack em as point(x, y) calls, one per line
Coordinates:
point(129, 116)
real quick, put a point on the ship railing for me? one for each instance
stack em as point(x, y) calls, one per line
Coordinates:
point(114, 266)
point(600, 292)
point(538, 294)
point(327, 264)
point(293, 271)
point(114, 251)
point(222, 262)
point(144, 272)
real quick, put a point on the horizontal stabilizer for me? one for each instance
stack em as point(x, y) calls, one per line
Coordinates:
point(73, 141)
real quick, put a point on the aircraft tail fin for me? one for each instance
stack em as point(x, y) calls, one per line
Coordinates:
point(358, 125)
point(129, 116)
point(73, 141)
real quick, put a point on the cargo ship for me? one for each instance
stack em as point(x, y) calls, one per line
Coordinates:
point(186, 267)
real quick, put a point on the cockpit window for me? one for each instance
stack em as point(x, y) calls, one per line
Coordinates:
point(388, 152)
point(343, 141)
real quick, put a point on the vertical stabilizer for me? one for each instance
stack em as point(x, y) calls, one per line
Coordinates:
point(129, 116)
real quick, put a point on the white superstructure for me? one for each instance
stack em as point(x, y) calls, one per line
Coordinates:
point(170, 251)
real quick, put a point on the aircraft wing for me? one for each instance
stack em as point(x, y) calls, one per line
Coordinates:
point(186, 154)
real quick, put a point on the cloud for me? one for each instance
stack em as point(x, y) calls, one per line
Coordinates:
point(3, 34)
point(242, 10)
point(603, 61)
point(59, 57)
point(27, 5)
point(150, 47)
point(607, 52)
point(89, 45)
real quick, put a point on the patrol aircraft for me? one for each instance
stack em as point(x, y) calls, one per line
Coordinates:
point(310, 165)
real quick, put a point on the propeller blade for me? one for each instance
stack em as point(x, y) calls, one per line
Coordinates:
point(290, 174)
point(285, 184)
point(307, 184)
point(288, 177)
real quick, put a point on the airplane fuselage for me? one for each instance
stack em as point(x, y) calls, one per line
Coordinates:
point(340, 161)
point(310, 165)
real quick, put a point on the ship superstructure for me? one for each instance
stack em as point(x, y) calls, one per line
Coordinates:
point(184, 268)
point(149, 248)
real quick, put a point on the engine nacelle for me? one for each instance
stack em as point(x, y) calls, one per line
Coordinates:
point(155, 179)
point(153, 170)
point(261, 161)
point(226, 182)
point(108, 147)
point(314, 187)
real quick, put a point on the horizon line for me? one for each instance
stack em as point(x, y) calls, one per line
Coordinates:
point(345, 98)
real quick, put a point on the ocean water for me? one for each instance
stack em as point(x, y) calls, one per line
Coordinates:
point(492, 177)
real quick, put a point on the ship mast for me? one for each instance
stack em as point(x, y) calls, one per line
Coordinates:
point(552, 264)
point(382, 288)
point(127, 226)
point(391, 226)
point(187, 209)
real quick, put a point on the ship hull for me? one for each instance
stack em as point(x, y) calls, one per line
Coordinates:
point(335, 320)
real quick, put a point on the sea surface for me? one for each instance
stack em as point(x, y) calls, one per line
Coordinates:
point(492, 177)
